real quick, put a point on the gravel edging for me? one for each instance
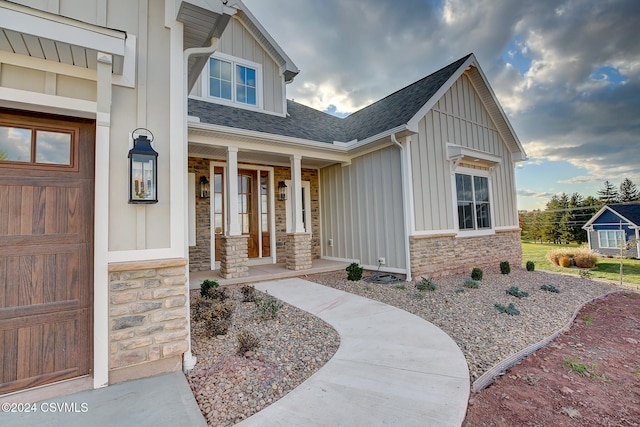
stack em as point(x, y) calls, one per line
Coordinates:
point(230, 387)
point(485, 336)
point(501, 367)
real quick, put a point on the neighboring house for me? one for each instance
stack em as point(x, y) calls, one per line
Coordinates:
point(614, 227)
point(95, 289)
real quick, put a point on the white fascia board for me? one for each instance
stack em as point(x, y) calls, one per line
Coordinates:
point(455, 151)
point(54, 27)
point(413, 122)
point(519, 157)
point(45, 103)
point(596, 216)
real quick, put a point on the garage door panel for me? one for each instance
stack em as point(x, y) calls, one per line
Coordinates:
point(46, 259)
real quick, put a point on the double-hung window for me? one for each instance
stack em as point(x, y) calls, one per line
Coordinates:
point(233, 82)
point(610, 239)
point(474, 206)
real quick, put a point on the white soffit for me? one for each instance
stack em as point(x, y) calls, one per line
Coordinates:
point(455, 152)
point(38, 34)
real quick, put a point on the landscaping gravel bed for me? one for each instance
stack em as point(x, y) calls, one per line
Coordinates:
point(231, 387)
point(469, 316)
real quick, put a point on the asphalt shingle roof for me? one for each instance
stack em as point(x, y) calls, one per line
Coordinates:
point(307, 123)
point(631, 212)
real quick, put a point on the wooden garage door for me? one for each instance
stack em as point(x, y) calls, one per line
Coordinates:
point(46, 249)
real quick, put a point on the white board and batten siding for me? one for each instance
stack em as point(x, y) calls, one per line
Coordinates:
point(362, 210)
point(459, 117)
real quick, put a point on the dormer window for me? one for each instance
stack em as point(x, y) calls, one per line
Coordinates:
point(233, 82)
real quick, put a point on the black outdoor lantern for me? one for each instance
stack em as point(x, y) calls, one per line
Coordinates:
point(204, 187)
point(282, 191)
point(143, 170)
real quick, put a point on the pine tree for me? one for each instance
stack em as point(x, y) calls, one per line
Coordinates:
point(628, 191)
point(608, 194)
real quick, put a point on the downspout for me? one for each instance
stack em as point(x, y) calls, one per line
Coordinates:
point(405, 207)
point(189, 360)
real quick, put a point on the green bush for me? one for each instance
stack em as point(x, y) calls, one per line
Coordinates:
point(531, 265)
point(470, 283)
point(476, 273)
point(511, 310)
point(516, 292)
point(426, 285)
point(246, 341)
point(206, 285)
point(354, 272)
point(268, 307)
point(505, 268)
point(550, 288)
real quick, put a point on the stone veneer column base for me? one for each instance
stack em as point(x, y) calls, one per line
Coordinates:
point(298, 251)
point(445, 254)
point(148, 312)
point(234, 256)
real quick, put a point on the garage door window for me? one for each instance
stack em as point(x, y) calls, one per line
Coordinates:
point(35, 146)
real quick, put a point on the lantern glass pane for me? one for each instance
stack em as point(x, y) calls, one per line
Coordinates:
point(143, 185)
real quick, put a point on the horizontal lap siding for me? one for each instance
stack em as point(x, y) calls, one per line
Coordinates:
point(459, 117)
point(361, 208)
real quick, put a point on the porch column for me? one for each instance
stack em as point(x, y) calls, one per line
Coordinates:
point(234, 248)
point(298, 241)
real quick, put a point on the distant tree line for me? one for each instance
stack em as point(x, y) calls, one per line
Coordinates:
point(564, 215)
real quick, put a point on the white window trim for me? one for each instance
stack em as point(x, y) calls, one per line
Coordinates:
point(233, 103)
point(473, 172)
point(306, 185)
point(622, 239)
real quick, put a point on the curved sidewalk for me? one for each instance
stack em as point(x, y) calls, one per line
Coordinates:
point(392, 368)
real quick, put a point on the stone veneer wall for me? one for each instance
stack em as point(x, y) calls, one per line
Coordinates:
point(148, 311)
point(200, 254)
point(233, 256)
point(445, 254)
point(311, 175)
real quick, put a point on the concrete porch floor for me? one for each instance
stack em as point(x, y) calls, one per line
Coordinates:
point(264, 272)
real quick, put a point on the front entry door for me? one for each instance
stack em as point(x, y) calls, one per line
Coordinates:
point(253, 210)
point(46, 249)
point(248, 209)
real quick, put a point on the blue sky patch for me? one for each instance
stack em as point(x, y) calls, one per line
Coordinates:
point(610, 74)
point(515, 54)
point(331, 109)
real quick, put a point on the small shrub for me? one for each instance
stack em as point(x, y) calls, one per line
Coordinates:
point(476, 273)
point(459, 291)
point(401, 287)
point(554, 255)
point(588, 320)
point(585, 274)
point(564, 262)
point(516, 292)
point(472, 284)
point(268, 307)
point(505, 268)
point(217, 294)
point(511, 310)
point(205, 286)
point(246, 341)
point(200, 306)
point(248, 293)
point(354, 272)
point(531, 266)
point(218, 319)
point(550, 288)
point(426, 284)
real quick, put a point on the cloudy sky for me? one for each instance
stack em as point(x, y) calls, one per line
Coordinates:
point(566, 72)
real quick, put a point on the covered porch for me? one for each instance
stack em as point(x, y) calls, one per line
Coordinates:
point(265, 272)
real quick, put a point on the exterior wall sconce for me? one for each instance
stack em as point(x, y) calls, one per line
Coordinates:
point(204, 187)
point(282, 191)
point(143, 170)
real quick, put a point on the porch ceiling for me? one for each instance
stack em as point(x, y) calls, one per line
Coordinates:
point(254, 157)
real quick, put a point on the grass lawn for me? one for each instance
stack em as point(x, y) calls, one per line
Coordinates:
point(608, 268)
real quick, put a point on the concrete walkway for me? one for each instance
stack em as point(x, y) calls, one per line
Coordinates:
point(392, 368)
